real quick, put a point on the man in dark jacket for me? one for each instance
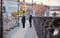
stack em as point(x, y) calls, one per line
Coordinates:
point(23, 21)
point(30, 20)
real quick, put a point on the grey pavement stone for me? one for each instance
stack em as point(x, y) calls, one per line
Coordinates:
point(20, 32)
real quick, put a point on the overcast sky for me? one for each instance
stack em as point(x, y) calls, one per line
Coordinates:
point(55, 2)
point(47, 2)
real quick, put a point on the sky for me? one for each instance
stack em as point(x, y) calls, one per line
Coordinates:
point(11, 4)
point(47, 2)
point(55, 2)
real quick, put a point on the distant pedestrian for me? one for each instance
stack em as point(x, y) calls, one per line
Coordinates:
point(30, 20)
point(23, 21)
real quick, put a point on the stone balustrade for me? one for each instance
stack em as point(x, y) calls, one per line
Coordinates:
point(41, 23)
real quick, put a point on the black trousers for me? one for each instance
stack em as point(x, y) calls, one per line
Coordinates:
point(30, 24)
point(23, 25)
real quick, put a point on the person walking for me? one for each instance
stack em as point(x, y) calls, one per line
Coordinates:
point(30, 20)
point(23, 21)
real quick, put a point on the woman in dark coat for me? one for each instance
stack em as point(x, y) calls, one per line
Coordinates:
point(23, 21)
point(30, 20)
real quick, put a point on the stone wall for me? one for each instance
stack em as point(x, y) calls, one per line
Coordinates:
point(40, 23)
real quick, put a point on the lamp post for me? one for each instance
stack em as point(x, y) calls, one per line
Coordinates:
point(32, 2)
point(1, 21)
point(32, 5)
point(18, 12)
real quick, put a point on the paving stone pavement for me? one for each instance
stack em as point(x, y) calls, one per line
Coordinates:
point(20, 32)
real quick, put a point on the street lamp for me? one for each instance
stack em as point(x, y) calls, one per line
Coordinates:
point(32, 2)
point(18, 12)
point(1, 22)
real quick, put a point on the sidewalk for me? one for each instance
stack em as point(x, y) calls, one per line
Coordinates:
point(26, 32)
point(31, 33)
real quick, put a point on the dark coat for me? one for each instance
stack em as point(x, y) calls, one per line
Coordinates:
point(23, 19)
point(30, 18)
